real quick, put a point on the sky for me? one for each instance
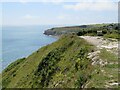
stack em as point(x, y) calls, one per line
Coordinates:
point(44, 12)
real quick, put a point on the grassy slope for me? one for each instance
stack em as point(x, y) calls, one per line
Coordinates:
point(103, 76)
point(60, 64)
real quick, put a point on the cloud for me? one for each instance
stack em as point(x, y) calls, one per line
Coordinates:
point(54, 1)
point(59, 0)
point(63, 16)
point(29, 17)
point(24, 1)
point(96, 6)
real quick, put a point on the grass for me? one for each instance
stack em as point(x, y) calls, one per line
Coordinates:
point(62, 64)
point(109, 56)
point(112, 35)
point(50, 66)
point(103, 75)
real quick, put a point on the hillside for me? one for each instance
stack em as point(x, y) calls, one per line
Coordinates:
point(70, 62)
point(105, 62)
point(63, 63)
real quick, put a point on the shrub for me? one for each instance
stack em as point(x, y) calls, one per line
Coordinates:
point(81, 80)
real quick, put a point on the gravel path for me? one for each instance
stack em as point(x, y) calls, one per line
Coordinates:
point(110, 45)
point(100, 42)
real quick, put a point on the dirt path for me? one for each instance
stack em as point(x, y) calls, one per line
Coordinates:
point(111, 45)
point(93, 40)
point(100, 42)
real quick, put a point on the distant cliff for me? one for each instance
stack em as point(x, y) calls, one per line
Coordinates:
point(106, 30)
point(64, 30)
point(50, 32)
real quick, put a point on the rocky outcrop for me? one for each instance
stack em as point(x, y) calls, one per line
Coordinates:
point(49, 32)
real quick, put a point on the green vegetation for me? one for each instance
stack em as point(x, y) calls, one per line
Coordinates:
point(112, 35)
point(109, 56)
point(65, 63)
point(106, 30)
point(105, 76)
point(62, 64)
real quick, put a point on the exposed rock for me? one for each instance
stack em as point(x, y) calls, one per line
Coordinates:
point(49, 32)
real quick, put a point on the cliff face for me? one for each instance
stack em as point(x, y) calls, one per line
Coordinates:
point(49, 32)
point(62, 64)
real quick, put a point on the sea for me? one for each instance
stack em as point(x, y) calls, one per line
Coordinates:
point(21, 41)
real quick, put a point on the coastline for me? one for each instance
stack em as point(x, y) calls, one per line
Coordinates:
point(97, 56)
point(54, 36)
point(23, 47)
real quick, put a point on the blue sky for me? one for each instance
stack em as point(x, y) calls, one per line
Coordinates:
point(58, 13)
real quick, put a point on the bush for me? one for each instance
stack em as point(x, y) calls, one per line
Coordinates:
point(81, 80)
point(112, 35)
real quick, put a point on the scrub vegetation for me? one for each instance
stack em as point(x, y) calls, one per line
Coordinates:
point(62, 64)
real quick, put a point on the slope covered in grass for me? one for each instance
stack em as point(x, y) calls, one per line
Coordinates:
point(63, 64)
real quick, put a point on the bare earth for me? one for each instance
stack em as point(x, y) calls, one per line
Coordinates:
point(100, 43)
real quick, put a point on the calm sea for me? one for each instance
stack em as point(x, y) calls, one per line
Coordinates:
point(18, 42)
